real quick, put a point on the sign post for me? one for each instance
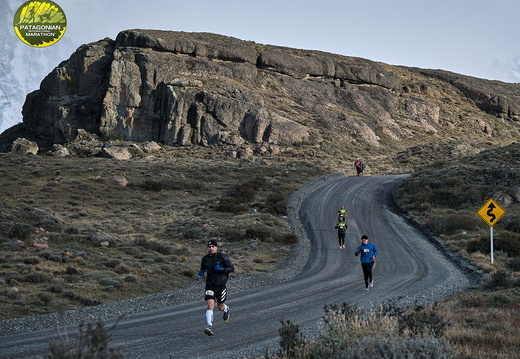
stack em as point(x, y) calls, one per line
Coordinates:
point(491, 213)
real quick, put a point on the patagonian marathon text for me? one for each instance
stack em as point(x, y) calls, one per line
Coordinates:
point(40, 27)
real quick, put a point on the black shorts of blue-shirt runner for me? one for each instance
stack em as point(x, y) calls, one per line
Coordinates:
point(368, 252)
point(217, 266)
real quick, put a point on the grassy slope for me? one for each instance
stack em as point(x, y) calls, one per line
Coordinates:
point(156, 226)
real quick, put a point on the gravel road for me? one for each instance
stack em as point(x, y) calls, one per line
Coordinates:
point(409, 267)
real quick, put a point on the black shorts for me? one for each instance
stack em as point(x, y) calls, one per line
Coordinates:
point(216, 292)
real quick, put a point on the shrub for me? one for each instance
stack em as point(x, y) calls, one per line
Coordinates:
point(122, 269)
point(478, 245)
point(110, 282)
point(72, 271)
point(82, 299)
point(286, 238)
point(112, 263)
point(13, 246)
point(131, 278)
point(194, 233)
point(231, 205)
point(498, 279)
point(278, 202)
point(512, 223)
point(232, 233)
point(292, 342)
point(154, 186)
point(508, 242)
point(153, 245)
point(31, 260)
point(37, 277)
point(13, 276)
point(376, 347)
point(452, 224)
point(514, 264)
point(51, 257)
point(505, 241)
point(422, 322)
point(44, 297)
point(20, 231)
point(258, 233)
point(92, 342)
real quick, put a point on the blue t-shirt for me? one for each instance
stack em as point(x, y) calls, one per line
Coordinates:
point(367, 252)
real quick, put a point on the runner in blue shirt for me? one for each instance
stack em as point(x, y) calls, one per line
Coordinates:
point(368, 252)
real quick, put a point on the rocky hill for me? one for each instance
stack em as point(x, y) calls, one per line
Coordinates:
point(181, 88)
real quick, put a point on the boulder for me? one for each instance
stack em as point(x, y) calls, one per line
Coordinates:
point(116, 152)
point(24, 146)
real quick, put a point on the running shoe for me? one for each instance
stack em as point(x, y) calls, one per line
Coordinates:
point(366, 288)
point(371, 284)
point(208, 331)
point(226, 315)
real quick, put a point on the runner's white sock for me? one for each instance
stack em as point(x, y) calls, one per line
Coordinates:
point(226, 308)
point(209, 317)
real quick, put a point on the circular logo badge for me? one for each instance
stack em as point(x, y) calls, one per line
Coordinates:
point(40, 23)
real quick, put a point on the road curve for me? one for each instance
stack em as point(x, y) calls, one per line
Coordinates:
point(408, 266)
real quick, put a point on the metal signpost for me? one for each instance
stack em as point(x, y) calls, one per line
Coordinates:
point(491, 213)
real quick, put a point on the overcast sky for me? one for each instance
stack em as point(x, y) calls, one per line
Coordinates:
point(463, 36)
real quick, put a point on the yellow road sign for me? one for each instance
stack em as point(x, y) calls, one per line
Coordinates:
point(491, 212)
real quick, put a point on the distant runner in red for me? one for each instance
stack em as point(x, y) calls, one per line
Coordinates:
point(359, 166)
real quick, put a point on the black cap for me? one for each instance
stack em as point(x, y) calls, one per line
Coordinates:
point(212, 242)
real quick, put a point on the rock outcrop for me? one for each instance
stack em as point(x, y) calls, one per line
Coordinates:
point(181, 88)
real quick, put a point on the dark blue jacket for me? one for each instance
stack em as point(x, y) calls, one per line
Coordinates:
point(213, 276)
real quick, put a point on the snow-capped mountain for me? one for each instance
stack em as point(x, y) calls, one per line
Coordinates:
point(23, 67)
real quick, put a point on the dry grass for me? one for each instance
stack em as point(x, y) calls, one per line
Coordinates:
point(155, 227)
point(485, 324)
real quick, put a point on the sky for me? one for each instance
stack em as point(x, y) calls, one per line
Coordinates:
point(463, 36)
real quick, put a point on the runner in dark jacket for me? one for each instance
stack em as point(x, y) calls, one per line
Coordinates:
point(217, 267)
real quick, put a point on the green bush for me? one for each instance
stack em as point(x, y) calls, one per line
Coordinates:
point(232, 233)
point(512, 223)
point(498, 279)
point(276, 204)
point(508, 242)
point(20, 231)
point(231, 205)
point(286, 238)
point(514, 264)
point(37, 277)
point(259, 233)
point(452, 224)
point(82, 299)
point(153, 245)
